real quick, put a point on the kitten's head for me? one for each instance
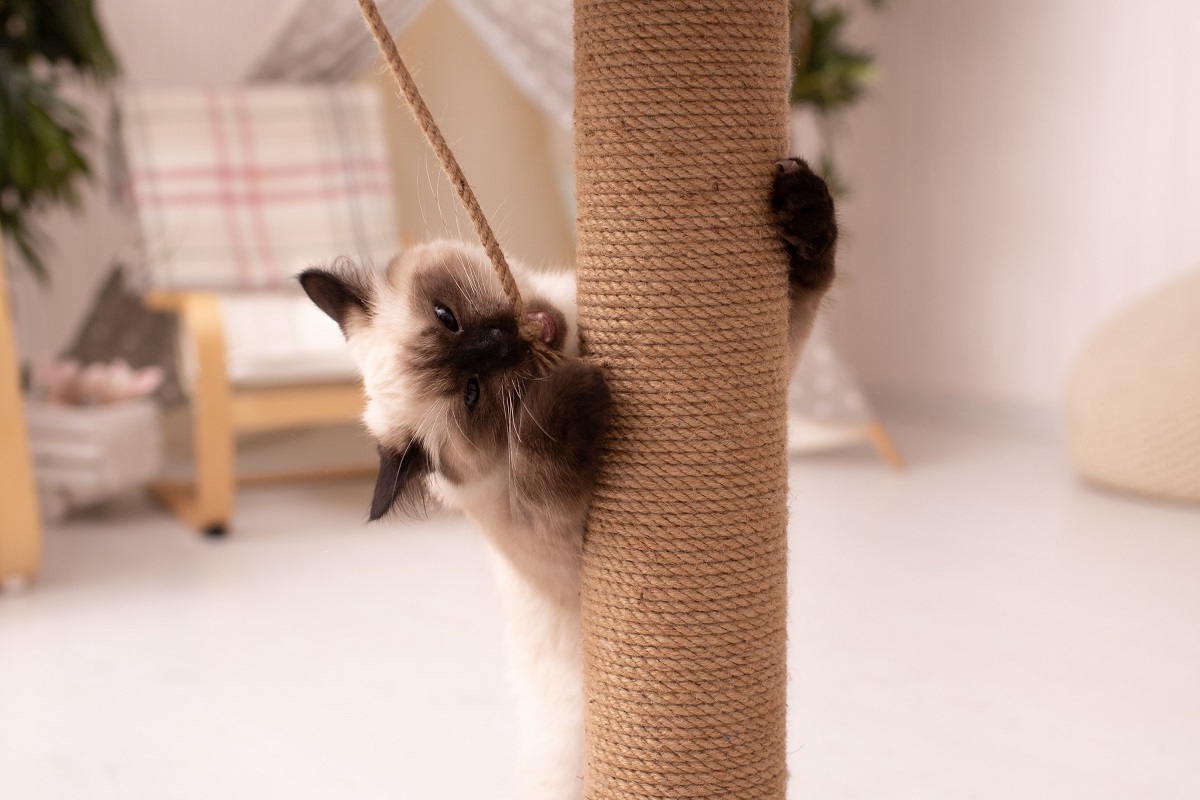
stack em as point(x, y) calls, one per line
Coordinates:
point(442, 362)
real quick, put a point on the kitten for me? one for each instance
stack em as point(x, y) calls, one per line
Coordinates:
point(465, 413)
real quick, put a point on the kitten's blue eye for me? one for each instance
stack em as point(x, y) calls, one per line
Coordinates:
point(472, 396)
point(446, 317)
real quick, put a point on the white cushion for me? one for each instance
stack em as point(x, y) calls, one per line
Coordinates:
point(276, 338)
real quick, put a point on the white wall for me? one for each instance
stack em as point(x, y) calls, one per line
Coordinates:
point(1022, 170)
point(167, 41)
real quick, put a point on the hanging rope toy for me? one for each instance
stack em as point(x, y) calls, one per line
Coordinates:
point(531, 330)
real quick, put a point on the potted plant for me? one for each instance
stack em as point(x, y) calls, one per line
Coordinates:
point(42, 43)
point(828, 75)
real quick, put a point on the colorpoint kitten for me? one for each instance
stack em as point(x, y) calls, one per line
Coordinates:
point(465, 413)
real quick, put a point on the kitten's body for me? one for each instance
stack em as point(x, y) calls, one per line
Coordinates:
point(523, 475)
point(534, 552)
point(466, 413)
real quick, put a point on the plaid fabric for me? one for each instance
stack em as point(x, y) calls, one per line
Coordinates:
point(245, 188)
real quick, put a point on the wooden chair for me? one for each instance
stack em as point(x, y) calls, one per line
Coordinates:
point(236, 192)
point(20, 522)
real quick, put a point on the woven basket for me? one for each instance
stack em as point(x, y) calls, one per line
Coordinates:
point(87, 454)
point(1133, 400)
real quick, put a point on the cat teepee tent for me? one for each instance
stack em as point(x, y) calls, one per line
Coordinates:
point(324, 40)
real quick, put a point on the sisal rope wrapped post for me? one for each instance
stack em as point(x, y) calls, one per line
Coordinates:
point(680, 114)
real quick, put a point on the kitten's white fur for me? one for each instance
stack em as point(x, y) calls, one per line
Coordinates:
point(545, 654)
point(543, 636)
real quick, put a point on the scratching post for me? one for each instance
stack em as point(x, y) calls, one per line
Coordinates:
point(680, 114)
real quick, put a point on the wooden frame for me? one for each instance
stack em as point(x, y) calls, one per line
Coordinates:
point(884, 445)
point(221, 411)
point(20, 520)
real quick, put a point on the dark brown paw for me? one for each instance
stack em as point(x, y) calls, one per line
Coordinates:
point(804, 212)
point(566, 413)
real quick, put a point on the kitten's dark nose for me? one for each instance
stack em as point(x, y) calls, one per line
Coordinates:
point(498, 342)
point(491, 348)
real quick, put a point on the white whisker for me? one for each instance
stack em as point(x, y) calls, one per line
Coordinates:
point(468, 295)
point(419, 432)
point(525, 408)
point(511, 410)
point(464, 435)
point(432, 189)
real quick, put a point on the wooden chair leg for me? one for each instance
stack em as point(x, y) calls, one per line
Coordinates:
point(214, 437)
point(208, 504)
point(882, 441)
point(20, 523)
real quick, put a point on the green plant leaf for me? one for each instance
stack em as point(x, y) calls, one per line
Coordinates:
point(828, 75)
point(41, 134)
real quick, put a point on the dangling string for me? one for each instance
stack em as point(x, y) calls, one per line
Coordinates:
point(530, 330)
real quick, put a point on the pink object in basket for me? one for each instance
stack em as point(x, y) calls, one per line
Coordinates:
point(66, 382)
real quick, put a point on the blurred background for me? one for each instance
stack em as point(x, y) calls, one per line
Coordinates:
point(995, 432)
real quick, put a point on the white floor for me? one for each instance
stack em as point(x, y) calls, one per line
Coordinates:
point(978, 627)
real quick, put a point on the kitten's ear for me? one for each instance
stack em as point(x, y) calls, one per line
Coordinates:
point(342, 293)
point(401, 480)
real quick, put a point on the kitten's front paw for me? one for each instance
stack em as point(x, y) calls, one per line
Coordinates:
point(804, 212)
point(555, 453)
point(566, 413)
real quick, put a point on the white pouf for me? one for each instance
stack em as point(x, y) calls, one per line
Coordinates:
point(1133, 400)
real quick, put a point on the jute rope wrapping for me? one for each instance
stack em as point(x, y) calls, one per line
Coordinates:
point(679, 117)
